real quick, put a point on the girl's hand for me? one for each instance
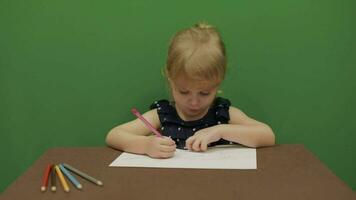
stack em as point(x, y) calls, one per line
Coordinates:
point(160, 147)
point(202, 138)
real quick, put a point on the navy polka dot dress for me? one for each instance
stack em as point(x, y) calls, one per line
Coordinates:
point(179, 130)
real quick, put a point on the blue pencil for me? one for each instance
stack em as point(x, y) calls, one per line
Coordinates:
point(70, 177)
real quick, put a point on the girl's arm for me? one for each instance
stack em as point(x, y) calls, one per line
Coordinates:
point(246, 131)
point(134, 137)
point(241, 129)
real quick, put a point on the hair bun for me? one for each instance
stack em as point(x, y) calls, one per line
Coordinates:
point(203, 25)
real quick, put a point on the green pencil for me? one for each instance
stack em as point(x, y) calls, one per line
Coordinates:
point(53, 179)
point(82, 174)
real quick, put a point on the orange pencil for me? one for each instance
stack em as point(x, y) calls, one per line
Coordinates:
point(45, 178)
point(61, 178)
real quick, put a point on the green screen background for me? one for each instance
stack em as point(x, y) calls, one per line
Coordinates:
point(71, 70)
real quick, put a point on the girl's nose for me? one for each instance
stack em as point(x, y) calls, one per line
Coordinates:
point(194, 102)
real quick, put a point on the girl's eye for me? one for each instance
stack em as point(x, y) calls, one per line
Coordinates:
point(184, 92)
point(204, 93)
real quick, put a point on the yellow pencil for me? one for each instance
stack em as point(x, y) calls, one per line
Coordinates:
point(61, 178)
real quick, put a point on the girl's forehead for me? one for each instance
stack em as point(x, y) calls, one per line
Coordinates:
point(192, 84)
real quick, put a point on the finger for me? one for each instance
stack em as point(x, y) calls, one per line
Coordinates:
point(168, 148)
point(196, 145)
point(173, 143)
point(166, 141)
point(166, 155)
point(204, 145)
point(189, 142)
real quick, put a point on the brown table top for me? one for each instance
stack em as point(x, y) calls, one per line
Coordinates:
point(286, 171)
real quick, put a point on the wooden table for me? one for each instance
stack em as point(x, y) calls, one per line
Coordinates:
point(284, 172)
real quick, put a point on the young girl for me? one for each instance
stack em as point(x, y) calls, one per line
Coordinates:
point(196, 118)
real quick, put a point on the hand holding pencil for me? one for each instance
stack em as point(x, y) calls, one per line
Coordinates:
point(157, 146)
point(160, 147)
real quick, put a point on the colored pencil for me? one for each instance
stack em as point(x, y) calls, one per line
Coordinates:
point(53, 179)
point(82, 174)
point(148, 125)
point(62, 180)
point(72, 179)
point(45, 178)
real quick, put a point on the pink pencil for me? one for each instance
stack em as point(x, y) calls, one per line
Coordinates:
point(148, 125)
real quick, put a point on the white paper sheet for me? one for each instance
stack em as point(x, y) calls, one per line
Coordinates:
point(222, 157)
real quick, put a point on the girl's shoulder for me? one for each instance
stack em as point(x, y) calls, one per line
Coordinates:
point(221, 108)
point(222, 102)
point(159, 103)
point(162, 105)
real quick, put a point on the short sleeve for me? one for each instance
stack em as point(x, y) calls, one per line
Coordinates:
point(165, 112)
point(161, 105)
point(222, 109)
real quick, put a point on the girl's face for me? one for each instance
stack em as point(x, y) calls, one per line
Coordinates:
point(192, 98)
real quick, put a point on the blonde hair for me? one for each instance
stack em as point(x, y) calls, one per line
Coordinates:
point(197, 52)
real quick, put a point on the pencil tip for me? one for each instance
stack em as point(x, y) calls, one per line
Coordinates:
point(79, 186)
point(53, 188)
point(43, 188)
point(67, 190)
point(99, 183)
